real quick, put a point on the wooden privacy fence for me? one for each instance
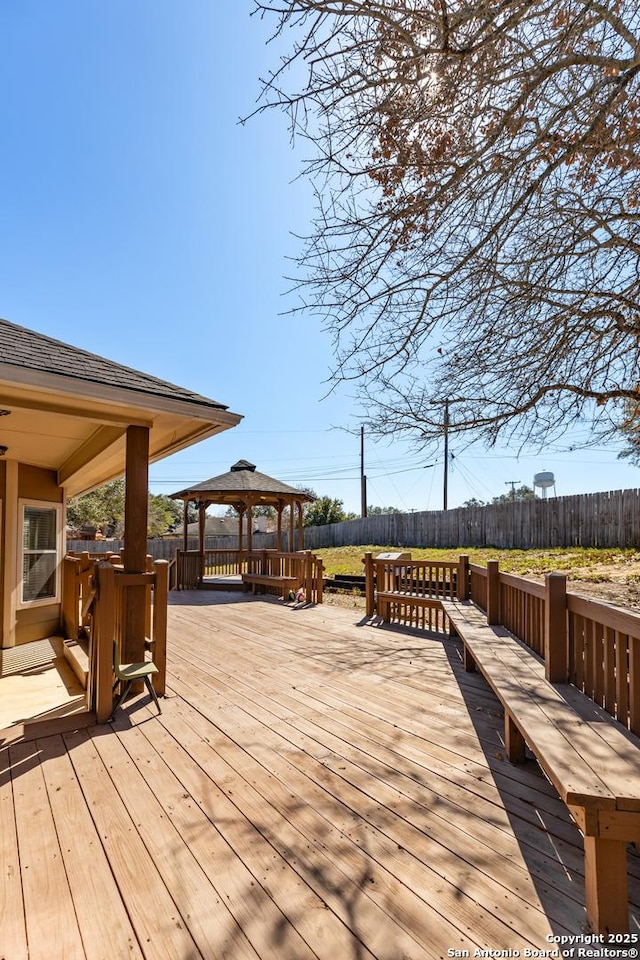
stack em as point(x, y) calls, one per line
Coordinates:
point(589, 643)
point(95, 597)
point(610, 519)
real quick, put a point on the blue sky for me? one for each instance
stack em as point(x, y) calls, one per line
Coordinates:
point(142, 222)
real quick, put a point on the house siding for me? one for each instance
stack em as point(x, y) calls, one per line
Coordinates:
point(37, 622)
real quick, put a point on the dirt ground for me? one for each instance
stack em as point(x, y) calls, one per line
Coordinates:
point(614, 583)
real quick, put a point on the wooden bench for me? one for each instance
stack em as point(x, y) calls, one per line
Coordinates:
point(593, 762)
point(432, 618)
point(284, 584)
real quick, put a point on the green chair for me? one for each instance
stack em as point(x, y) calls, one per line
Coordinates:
point(128, 673)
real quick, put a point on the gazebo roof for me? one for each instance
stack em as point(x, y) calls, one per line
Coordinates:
point(240, 482)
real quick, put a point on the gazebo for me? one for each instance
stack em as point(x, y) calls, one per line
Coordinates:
point(244, 488)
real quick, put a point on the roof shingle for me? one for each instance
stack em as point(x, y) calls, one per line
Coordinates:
point(20, 347)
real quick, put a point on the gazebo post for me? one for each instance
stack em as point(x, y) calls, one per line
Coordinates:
point(249, 525)
point(291, 526)
point(201, 520)
point(240, 509)
point(300, 527)
point(185, 515)
point(135, 540)
point(280, 509)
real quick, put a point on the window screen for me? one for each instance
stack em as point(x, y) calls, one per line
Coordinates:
point(39, 553)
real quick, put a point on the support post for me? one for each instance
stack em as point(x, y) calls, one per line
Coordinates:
point(160, 600)
point(300, 527)
point(463, 577)
point(135, 533)
point(513, 741)
point(291, 527)
point(12, 580)
point(467, 660)
point(102, 653)
point(201, 522)
point(605, 869)
point(185, 523)
point(363, 479)
point(445, 492)
point(71, 597)
point(319, 579)
point(368, 584)
point(240, 510)
point(249, 526)
point(493, 592)
point(308, 576)
point(556, 641)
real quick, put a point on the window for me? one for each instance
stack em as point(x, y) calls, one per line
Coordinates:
point(41, 529)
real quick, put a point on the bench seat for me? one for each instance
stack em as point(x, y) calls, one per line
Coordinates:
point(255, 580)
point(593, 762)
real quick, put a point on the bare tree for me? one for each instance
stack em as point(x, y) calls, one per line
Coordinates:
point(476, 166)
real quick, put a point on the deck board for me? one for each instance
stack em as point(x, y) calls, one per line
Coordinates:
point(315, 788)
point(13, 945)
point(52, 928)
point(153, 912)
point(451, 819)
point(101, 915)
point(388, 816)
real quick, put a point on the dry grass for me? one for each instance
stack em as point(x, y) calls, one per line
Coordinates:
point(348, 560)
point(608, 574)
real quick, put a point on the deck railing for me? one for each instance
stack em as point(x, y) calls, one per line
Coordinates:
point(478, 585)
point(96, 591)
point(604, 657)
point(192, 566)
point(77, 574)
point(588, 643)
point(223, 563)
point(410, 589)
point(421, 578)
point(188, 569)
point(303, 566)
point(522, 604)
point(114, 590)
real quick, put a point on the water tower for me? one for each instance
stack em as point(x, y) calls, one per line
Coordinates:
point(545, 480)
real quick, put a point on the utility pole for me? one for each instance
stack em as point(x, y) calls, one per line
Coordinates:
point(512, 483)
point(363, 479)
point(446, 455)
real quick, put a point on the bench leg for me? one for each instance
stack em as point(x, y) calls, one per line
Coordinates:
point(513, 741)
point(605, 869)
point(468, 661)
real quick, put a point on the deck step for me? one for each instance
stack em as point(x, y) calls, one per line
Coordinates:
point(77, 656)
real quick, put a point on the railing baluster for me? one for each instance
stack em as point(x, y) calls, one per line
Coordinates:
point(634, 684)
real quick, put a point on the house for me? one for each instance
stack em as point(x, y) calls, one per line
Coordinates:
point(225, 527)
point(70, 421)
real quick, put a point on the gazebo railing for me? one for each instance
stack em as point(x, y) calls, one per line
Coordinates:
point(303, 566)
point(189, 567)
point(224, 563)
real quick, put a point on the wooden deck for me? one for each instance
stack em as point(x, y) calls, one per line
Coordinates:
point(36, 682)
point(314, 788)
